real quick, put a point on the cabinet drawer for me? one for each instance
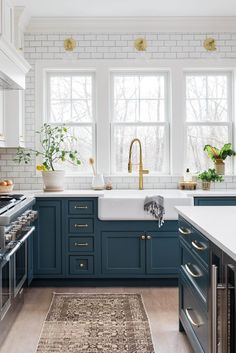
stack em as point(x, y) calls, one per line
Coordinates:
point(81, 265)
point(195, 272)
point(185, 231)
point(81, 244)
point(194, 314)
point(81, 207)
point(81, 225)
point(196, 241)
point(200, 245)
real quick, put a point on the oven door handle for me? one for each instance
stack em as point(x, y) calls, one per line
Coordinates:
point(30, 230)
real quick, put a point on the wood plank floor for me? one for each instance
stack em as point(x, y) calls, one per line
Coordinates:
point(161, 305)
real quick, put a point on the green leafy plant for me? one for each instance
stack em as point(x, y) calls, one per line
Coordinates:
point(54, 141)
point(210, 175)
point(215, 153)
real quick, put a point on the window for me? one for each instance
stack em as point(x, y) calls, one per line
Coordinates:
point(208, 116)
point(139, 109)
point(71, 102)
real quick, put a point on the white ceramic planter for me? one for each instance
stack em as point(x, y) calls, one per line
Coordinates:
point(54, 180)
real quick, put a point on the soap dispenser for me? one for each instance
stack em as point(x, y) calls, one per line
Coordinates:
point(187, 175)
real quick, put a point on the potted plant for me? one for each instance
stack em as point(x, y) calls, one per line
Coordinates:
point(54, 141)
point(209, 176)
point(219, 155)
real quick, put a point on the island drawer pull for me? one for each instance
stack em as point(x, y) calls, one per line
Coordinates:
point(81, 225)
point(81, 207)
point(187, 312)
point(196, 246)
point(81, 244)
point(195, 275)
point(184, 231)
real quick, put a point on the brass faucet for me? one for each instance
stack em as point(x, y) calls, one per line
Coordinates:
point(141, 170)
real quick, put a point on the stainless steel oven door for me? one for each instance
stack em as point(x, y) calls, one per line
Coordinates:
point(5, 286)
point(20, 262)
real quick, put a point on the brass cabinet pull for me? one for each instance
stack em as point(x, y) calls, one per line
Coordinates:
point(187, 312)
point(184, 231)
point(81, 244)
point(80, 225)
point(196, 246)
point(195, 275)
point(81, 207)
point(149, 237)
point(143, 237)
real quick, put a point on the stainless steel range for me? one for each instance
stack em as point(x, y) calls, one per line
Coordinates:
point(16, 227)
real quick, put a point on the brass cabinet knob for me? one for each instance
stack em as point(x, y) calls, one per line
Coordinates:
point(149, 237)
point(81, 265)
point(143, 237)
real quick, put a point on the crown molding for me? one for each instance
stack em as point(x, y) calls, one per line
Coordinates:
point(131, 24)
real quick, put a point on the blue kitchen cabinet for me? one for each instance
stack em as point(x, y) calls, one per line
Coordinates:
point(162, 255)
point(215, 201)
point(123, 253)
point(48, 239)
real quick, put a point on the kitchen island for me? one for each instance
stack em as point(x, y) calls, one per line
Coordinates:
point(208, 277)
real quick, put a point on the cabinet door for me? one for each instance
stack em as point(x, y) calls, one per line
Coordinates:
point(48, 239)
point(215, 201)
point(123, 253)
point(162, 253)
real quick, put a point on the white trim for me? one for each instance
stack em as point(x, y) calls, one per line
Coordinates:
point(132, 24)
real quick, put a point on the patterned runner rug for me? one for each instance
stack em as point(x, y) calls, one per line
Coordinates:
point(96, 323)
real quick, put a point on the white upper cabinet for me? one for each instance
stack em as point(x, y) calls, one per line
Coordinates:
point(7, 20)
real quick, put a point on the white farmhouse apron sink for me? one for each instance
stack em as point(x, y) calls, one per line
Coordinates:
point(129, 204)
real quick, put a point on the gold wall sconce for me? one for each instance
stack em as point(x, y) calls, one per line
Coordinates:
point(140, 44)
point(70, 44)
point(210, 44)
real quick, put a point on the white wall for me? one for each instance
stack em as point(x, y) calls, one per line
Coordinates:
point(100, 46)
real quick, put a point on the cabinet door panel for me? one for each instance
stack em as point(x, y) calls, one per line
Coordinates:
point(162, 253)
point(47, 243)
point(123, 253)
point(215, 201)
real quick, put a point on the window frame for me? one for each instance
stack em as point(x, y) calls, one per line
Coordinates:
point(74, 72)
point(230, 123)
point(166, 123)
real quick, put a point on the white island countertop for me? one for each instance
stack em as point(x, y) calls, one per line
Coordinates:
point(216, 223)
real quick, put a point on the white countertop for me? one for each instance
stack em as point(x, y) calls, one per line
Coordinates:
point(130, 193)
point(216, 223)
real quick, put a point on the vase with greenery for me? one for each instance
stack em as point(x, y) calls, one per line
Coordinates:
point(55, 142)
point(219, 155)
point(209, 176)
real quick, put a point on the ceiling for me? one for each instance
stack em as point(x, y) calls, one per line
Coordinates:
point(48, 8)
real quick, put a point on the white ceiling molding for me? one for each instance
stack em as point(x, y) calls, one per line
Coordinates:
point(131, 24)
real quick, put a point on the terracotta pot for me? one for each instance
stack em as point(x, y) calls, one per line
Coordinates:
point(206, 185)
point(220, 166)
point(54, 180)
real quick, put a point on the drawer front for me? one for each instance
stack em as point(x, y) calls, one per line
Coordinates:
point(81, 207)
point(195, 272)
point(81, 225)
point(81, 265)
point(200, 245)
point(185, 231)
point(81, 244)
point(195, 315)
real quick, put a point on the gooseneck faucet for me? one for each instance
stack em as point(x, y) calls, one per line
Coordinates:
point(141, 170)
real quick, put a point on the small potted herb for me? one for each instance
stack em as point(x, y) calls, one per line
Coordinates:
point(209, 176)
point(55, 142)
point(219, 155)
